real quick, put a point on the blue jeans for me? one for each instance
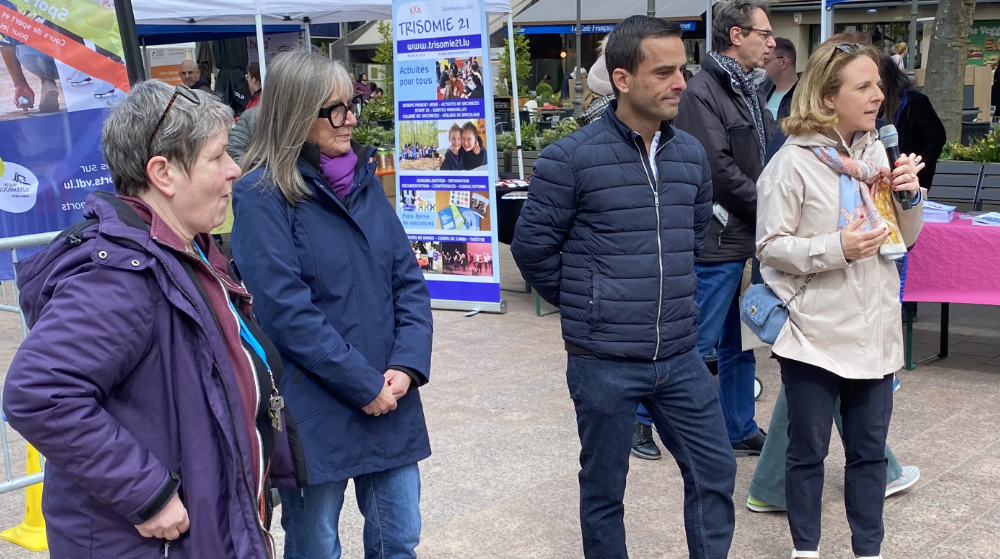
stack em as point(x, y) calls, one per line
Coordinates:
point(719, 330)
point(389, 501)
point(680, 394)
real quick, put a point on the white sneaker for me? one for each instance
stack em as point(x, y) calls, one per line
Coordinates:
point(909, 476)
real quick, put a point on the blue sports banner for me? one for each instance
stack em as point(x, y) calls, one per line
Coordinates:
point(62, 67)
point(445, 147)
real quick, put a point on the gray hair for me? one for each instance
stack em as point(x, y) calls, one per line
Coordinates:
point(180, 138)
point(729, 14)
point(298, 85)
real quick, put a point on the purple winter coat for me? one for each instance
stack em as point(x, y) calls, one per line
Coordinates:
point(124, 384)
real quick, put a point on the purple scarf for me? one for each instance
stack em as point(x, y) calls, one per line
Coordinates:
point(339, 172)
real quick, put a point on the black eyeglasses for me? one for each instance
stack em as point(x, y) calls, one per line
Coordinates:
point(847, 48)
point(766, 33)
point(181, 91)
point(337, 114)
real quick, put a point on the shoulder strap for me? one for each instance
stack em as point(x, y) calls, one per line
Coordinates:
point(73, 232)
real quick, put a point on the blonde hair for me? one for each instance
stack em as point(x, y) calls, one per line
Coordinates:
point(824, 76)
point(298, 84)
point(901, 48)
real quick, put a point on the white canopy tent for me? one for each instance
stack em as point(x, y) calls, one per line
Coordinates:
point(267, 12)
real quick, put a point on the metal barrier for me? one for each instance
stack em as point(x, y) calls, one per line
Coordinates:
point(10, 304)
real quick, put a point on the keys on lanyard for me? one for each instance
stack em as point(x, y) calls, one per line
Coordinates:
point(276, 402)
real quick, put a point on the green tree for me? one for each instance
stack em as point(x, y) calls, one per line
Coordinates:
point(384, 56)
point(522, 57)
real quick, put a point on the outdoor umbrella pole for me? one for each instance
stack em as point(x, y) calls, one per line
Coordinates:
point(513, 88)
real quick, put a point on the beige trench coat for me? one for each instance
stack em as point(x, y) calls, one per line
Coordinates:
point(848, 320)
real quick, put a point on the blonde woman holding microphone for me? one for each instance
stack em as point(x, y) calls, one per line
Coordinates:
point(829, 228)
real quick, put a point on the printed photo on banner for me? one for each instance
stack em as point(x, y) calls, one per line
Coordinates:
point(428, 255)
point(443, 145)
point(467, 259)
point(445, 210)
point(64, 58)
point(459, 78)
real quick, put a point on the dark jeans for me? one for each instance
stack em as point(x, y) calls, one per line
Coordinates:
point(682, 399)
point(866, 407)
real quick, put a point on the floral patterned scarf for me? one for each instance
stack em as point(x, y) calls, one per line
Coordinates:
point(865, 194)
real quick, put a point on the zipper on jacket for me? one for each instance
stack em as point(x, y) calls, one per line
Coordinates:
point(659, 241)
point(265, 536)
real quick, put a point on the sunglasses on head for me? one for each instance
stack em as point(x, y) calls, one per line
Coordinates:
point(179, 91)
point(847, 48)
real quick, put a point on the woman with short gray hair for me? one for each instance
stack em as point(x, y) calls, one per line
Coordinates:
point(144, 380)
point(337, 287)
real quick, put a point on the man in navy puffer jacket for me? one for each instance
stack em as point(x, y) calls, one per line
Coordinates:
point(609, 234)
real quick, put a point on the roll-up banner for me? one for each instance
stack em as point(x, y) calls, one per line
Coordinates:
point(446, 149)
point(63, 66)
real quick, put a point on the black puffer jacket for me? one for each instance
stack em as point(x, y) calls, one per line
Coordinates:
point(613, 253)
point(714, 111)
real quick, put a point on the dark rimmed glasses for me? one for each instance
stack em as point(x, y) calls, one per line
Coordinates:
point(847, 48)
point(336, 114)
point(179, 91)
point(766, 33)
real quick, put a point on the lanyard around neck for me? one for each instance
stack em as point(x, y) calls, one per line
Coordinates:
point(245, 333)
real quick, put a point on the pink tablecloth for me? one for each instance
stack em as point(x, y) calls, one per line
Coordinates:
point(955, 262)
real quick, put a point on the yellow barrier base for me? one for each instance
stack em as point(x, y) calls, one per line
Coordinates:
point(29, 537)
point(30, 534)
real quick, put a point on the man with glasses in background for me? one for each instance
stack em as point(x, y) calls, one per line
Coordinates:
point(723, 110)
point(782, 78)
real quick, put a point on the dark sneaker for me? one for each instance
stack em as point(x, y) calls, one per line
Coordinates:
point(751, 446)
point(642, 442)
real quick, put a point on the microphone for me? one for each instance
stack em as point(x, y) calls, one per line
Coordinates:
point(890, 139)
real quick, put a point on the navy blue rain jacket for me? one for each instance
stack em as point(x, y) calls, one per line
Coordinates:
point(337, 289)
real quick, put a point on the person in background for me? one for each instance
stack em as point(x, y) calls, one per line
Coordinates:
point(145, 381)
point(843, 335)
point(724, 112)
point(920, 129)
point(253, 81)
point(546, 79)
point(601, 92)
point(899, 56)
point(780, 68)
point(191, 76)
point(355, 339)
point(615, 252)
point(362, 87)
point(377, 94)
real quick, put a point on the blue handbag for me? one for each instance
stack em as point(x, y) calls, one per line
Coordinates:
point(764, 313)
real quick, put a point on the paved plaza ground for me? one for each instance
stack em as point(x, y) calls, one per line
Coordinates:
point(502, 480)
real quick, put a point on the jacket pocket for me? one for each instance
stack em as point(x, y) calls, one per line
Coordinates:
point(594, 315)
point(744, 144)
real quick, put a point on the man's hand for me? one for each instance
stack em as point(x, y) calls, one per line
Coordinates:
point(383, 403)
point(399, 382)
point(169, 523)
point(26, 92)
point(859, 245)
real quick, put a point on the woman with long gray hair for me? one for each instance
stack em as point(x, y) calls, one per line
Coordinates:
point(338, 289)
